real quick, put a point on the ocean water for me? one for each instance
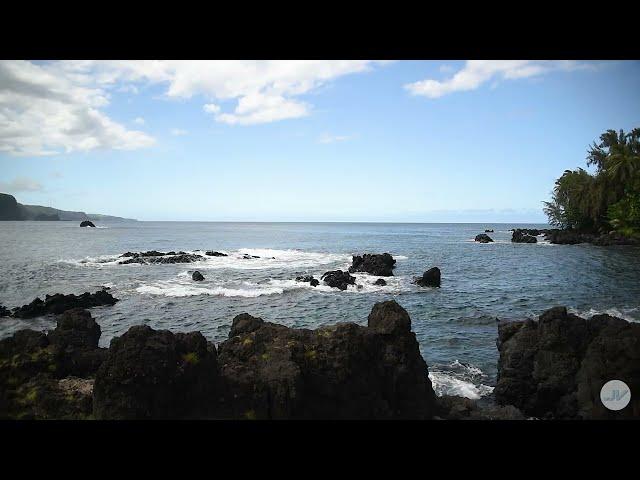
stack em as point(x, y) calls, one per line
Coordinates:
point(456, 325)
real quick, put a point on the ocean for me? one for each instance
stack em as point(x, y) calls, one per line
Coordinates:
point(456, 325)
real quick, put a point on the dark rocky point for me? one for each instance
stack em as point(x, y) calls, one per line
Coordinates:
point(211, 253)
point(483, 238)
point(197, 276)
point(380, 265)
point(59, 303)
point(521, 236)
point(87, 223)
point(555, 367)
point(338, 279)
point(153, 257)
point(488, 230)
point(430, 278)
point(314, 282)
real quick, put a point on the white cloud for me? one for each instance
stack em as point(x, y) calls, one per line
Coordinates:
point(178, 132)
point(264, 90)
point(44, 111)
point(21, 184)
point(211, 108)
point(327, 138)
point(477, 72)
point(139, 120)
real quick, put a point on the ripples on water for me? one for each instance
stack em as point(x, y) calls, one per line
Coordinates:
point(455, 325)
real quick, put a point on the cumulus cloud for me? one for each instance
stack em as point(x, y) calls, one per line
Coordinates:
point(53, 107)
point(263, 91)
point(21, 184)
point(327, 138)
point(477, 72)
point(44, 111)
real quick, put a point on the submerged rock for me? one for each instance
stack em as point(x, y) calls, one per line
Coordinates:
point(430, 278)
point(380, 265)
point(314, 282)
point(346, 371)
point(338, 279)
point(197, 276)
point(156, 374)
point(59, 303)
point(555, 367)
point(483, 238)
point(87, 223)
point(520, 236)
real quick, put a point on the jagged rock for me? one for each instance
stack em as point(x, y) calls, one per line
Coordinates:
point(488, 230)
point(211, 253)
point(40, 373)
point(197, 276)
point(344, 371)
point(87, 223)
point(4, 311)
point(338, 279)
point(430, 278)
point(450, 407)
point(380, 282)
point(483, 238)
point(59, 303)
point(380, 265)
point(520, 236)
point(179, 257)
point(156, 374)
point(555, 367)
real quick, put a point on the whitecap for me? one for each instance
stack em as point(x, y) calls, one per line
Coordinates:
point(628, 314)
point(446, 384)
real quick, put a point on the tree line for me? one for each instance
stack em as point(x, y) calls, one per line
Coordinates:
point(609, 198)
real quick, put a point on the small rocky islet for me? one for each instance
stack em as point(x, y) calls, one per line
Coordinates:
point(549, 368)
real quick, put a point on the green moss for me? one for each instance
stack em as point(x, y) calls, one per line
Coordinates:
point(265, 356)
point(310, 354)
point(250, 415)
point(191, 358)
point(247, 341)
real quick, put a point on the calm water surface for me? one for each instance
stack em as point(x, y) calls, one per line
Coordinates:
point(455, 325)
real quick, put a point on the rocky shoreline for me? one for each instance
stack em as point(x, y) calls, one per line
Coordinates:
point(552, 368)
point(571, 237)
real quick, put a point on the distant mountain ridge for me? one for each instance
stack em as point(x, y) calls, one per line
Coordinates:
point(10, 209)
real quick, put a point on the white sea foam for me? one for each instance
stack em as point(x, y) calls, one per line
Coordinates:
point(628, 314)
point(447, 384)
point(184, 289)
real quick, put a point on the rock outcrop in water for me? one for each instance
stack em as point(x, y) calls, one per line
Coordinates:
point(488, 230)
point(4, 311)
point(59, 303)
point(483, 238)
point(430, 278)
point(338, 279)
point(153, 257)
point(380, 282)
point(314, 282)
point(555, 367)
point(197, 276)
point(87, 223)
point(211, 253)
point(380, 265)
point(521, 236)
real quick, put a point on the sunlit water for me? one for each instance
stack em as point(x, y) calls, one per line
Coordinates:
point(455, 325)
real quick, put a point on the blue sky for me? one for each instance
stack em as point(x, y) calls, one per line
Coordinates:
point(414, 141)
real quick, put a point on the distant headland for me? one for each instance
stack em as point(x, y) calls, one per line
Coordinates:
point(10, 209)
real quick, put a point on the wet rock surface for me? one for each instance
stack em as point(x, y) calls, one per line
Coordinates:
point(380, 265)
point(483, 238)
point(148, 258)
point(197, 276)
point(211, 253)
point(521, 236)
point(338, 279)
point(430, 278)
point(310, 279)
point(59, 303)
point(87, 223)
point(555, 367)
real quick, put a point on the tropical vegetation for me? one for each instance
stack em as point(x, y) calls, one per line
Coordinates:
point(607, 199)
